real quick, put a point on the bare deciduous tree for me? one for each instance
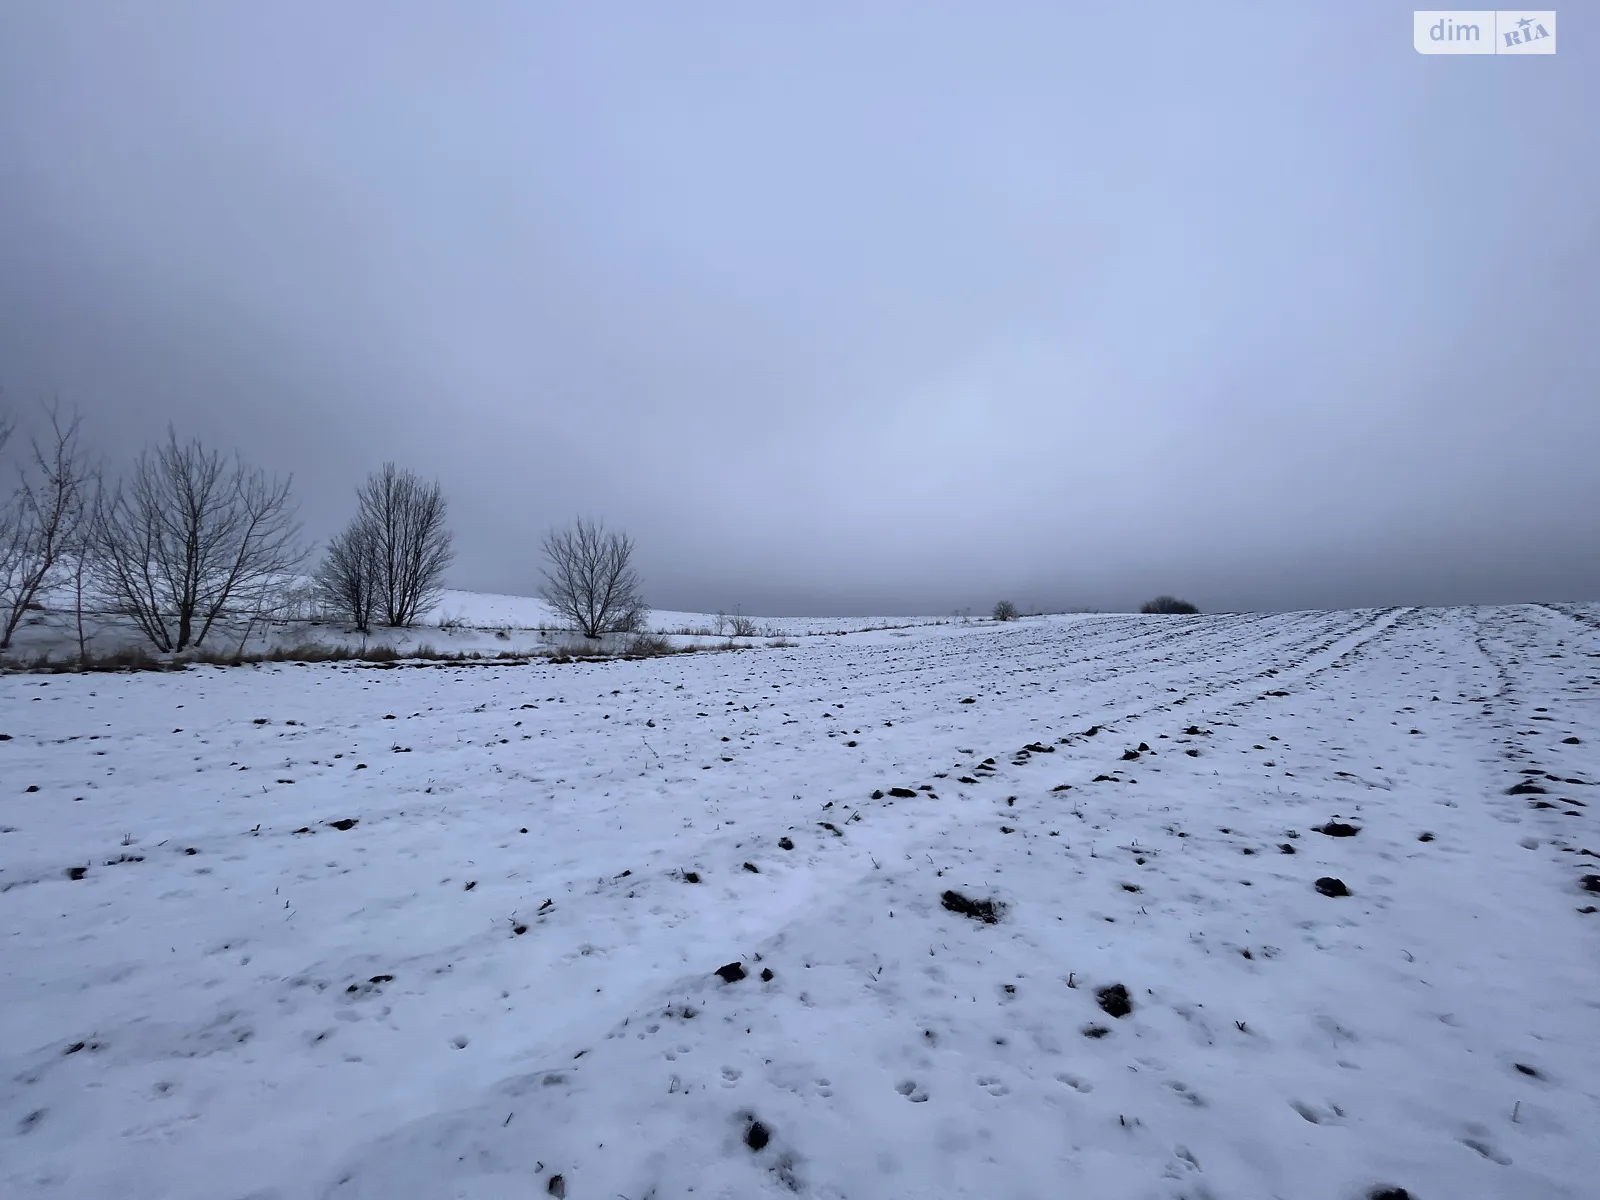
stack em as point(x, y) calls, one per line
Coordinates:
point(43, 519)
point(405, 518)
point(348, 577)
point(82, 554)
point(189, 537)
point(1005, 611)
point(591, 581)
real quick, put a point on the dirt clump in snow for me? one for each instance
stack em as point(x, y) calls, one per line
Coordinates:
point(1114, 1000)
point(987, 911)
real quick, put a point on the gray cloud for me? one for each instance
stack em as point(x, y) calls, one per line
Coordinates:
point(840, 310)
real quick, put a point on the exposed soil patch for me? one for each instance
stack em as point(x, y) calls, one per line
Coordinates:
point(1114, 1000)
point(987, 911)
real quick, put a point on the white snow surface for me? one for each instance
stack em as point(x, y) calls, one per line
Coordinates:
point(501, 973)
point(461, 623)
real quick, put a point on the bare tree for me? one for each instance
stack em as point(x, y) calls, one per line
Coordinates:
point(1005, 611)
point(591, 581)
point(405, 518)
point(190, 537)
point(42, 520)
point(82, 554)
point(350, 574)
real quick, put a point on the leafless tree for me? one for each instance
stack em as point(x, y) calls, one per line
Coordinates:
point(82, 554)
point(405, 519)
point(190, 537)
point(43, 519)
point(349, 576)
point(590, 579)
point(1005, 611)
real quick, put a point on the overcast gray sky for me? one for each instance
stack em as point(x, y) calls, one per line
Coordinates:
point(841, 307)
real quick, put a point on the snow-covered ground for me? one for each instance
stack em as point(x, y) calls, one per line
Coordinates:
point(461, 623)
point(487, 610)
point(446, 932)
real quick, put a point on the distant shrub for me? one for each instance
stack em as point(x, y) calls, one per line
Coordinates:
point(214, 657)
point(1005, 611)
point(1168, 605)
point(742, 626)
point(780, 643)
point(308, 652)
point(134, 658)
point(651, 646)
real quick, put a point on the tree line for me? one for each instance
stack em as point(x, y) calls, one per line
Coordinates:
point(189, 541)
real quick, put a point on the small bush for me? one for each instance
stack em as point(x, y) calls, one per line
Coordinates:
point(1168, 605)
point(211, 657)
point(1005, 611)
point(308, 652)
point(134, 658)
point(741, 626)
point(651, 646)
point(780, 643)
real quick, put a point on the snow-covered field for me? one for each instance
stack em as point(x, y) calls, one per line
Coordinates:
point(447, 932)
